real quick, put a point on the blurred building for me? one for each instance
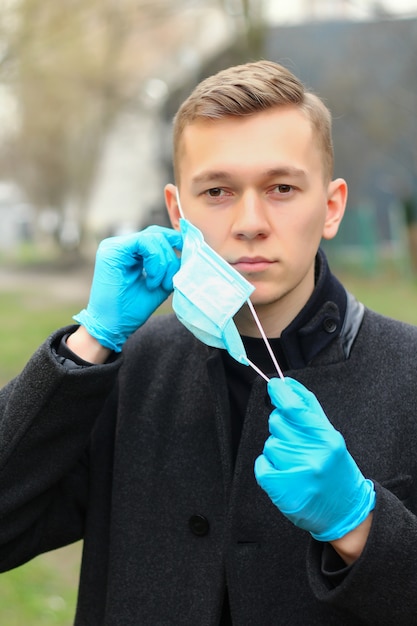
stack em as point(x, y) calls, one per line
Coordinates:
point(360, 55)
point(328, 43)
point(16, 217)
point(134, 168)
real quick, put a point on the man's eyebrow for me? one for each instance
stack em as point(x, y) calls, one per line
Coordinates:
point(219, 176)
point(285, 170)
point(211, 176)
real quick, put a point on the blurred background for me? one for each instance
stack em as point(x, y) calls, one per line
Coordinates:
point(88, 89)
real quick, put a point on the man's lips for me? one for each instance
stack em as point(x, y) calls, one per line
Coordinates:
point(247, 265)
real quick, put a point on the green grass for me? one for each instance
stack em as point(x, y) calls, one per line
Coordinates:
point(393, 295)
point(25, 320)
point(43, 592)
point(39, 594)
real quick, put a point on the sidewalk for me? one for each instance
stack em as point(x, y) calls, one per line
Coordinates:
point(65, 285)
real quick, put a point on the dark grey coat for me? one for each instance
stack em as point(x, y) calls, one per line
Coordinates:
point(167, 522)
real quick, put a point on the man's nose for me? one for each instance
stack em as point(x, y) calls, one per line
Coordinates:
point(250, 220)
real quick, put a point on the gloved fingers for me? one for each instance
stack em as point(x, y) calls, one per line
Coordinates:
point(288, 392)
point(175, 241)
point(285, 492)
point(117, 253)
point(282, 453)
point(306, 427)
point(126, 250)
point(301, 439)
point(317, 452)
point(267, 476)
point(174, 237)
point(160, 261)
point(296, 404)
point(171, 268)
point(283, 487)
point(151, 250)
point(263, 470)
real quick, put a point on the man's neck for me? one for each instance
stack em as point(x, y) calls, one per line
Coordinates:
point(274, 317)
point(308, 332)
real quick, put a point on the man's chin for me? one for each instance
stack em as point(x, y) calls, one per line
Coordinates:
point(261, 298)
point(265, 290)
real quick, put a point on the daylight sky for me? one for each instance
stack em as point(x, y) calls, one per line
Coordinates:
point(298, 10)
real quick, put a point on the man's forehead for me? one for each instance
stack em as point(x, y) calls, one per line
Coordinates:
point(275, 119)
point(276, 144)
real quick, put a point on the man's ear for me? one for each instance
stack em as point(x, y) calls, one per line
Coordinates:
point(171, 203)
point(337, 193)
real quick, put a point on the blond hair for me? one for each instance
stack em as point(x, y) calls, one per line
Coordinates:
point(247, 89)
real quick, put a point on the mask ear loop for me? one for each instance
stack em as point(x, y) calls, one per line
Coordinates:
point(257, 321)
point(266, 342)
point(257, 370)
point(179, 203)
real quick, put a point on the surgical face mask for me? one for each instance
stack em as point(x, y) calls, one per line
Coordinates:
point(208, 292)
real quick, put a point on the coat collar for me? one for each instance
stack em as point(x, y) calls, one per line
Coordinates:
point(319, 322)
point(329, 314)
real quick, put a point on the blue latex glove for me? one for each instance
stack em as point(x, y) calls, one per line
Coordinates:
point(306, 469)
point(132, 277)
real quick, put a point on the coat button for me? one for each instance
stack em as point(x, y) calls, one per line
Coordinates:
point(329, 325)
point(199, 525)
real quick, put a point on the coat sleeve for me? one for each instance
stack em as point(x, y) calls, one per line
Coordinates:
point(47, 414)
point(380, 588)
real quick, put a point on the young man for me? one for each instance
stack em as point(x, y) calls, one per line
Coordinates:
point(204, 495)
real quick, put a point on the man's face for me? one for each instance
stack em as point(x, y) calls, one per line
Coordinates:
point(256, 189)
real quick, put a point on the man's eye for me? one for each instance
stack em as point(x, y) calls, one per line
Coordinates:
point(215, 192)
point(283, 188)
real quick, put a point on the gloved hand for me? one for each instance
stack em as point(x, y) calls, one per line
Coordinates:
point(132, 277)
point(306, 469)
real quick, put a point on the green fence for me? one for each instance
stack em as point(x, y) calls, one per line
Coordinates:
point(371, 240)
